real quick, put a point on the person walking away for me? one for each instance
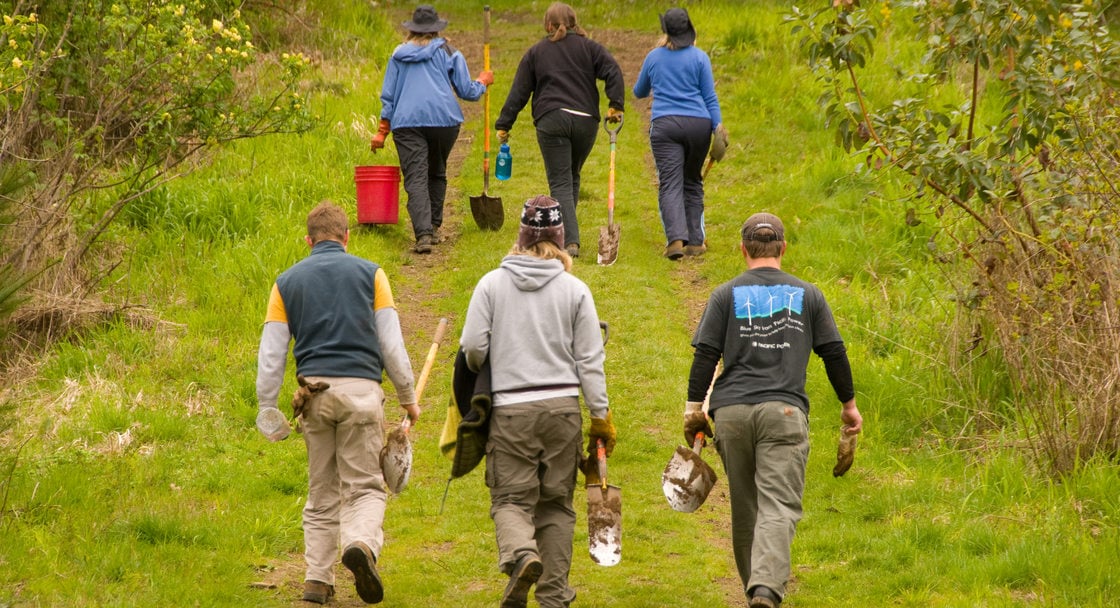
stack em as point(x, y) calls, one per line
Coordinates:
point(338, 308)
point(763, 324)
point(685, 116)
point(418, 105)
point(560, 74)
point(537, 324)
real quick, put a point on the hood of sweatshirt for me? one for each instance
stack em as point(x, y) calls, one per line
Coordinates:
point(529, 273)
point(416, 53)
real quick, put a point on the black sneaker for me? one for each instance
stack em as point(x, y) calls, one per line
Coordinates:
point(523, 577)
point(317, 592)
point(359, 559)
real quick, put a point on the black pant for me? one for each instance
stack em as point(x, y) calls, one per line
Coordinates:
point(679, 145)
point(423, 153)
point(566, 140)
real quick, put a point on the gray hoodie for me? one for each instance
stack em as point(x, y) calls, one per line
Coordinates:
point(539, 326)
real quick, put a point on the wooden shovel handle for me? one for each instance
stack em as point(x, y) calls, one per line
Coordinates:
point(423, 380)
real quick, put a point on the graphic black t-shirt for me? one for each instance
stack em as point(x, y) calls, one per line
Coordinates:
point(765, 322)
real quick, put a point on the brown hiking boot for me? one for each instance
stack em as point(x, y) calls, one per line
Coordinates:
point(359, 559)
point(572, 249)
point(675, 250)
point(696, 250)
point(317, 592)
point(423, 244)
point(524, 575)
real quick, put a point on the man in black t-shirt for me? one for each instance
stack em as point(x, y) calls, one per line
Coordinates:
point(763, 324)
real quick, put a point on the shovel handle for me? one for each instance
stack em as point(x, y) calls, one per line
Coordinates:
point(601, 457)
point(698, 442)
point(486, 101)
point(613, 132)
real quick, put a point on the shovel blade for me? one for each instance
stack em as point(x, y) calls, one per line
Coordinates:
point(687, 480)
point(609, 237)
point(487, 212)
point(396, 460)
point(604, 524)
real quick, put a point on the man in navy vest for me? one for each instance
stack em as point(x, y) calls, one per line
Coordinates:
point(339, 311)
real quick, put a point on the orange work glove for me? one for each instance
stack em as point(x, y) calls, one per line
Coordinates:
point(378, 141)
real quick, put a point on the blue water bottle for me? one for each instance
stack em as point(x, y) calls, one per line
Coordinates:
point(505, 163)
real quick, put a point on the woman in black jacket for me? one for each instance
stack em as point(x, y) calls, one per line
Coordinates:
point(560, 74)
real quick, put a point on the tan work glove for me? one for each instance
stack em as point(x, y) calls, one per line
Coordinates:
point(695, 421)
point(503, 136)
point(719, 143)
point(378, 141)
point(304, 394)
point(614, 115)
point(602, 428)
point(486, 77)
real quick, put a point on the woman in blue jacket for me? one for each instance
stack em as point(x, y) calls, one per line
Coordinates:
point(685, 114)
point(418, 104)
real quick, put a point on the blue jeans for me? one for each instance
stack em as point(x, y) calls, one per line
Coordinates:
point(679, 145)
point(764, 448)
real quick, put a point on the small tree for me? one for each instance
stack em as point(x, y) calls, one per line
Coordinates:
point(1025, 198)
point(107, 100)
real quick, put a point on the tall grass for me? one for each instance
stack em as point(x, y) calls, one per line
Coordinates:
point(144, 482)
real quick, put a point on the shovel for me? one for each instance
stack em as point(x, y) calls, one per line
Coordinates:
point(487, 210)
point(396, 454)
point(687, 479)
point(604, 515)
point(610, 234)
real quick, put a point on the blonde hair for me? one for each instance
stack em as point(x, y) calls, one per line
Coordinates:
point(560, 19)
point(421, 38)
point(544, 250)
point(327, 222)
point(667, 43)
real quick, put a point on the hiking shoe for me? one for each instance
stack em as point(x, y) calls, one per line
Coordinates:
point(437, 236)
point(524, 576)
point(317, 592)
point(696, 250)
point(765, 598)
point(675, 250)
point(423, 244)
point(573, 249)
point(359, 559)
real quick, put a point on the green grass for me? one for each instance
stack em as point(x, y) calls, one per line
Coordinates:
point(143, 481)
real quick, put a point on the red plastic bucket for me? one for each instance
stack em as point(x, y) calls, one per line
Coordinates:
point(378, 193)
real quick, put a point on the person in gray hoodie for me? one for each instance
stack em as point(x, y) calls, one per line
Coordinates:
point(538, 326)
point(418, 105)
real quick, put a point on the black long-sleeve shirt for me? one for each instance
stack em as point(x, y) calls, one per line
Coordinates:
point(563, 74)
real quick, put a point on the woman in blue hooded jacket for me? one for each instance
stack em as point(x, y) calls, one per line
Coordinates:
point(418, 104)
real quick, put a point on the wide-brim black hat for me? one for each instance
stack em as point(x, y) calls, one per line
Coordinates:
point(678, 27)
point(425, 20)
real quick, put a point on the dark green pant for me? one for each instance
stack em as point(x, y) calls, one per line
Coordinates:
point(764, 448)
point(531, 462)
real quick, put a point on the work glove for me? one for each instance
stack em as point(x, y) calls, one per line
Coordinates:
point(695, 421)
point(304, 394)
point(614, 115)
point(503, 136)
point(602, 428)
point(719, 143)
point(486, 77)
point(378, 141)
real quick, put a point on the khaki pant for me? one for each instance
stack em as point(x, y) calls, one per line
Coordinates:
point(764, 449)
point(342, 428)
point(531, 462)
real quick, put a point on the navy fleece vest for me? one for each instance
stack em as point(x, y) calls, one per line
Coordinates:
point(328, 297)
